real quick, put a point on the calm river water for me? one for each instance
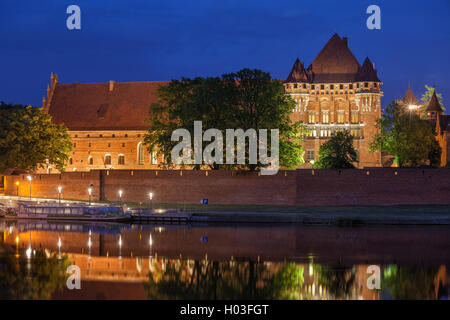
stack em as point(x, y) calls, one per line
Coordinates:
point(122, 261)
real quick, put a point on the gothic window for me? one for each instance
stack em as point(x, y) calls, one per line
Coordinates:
point(355, 117)
point(340, 116)
point(121, 159)
point(341, 86)
point(325, 117)
point(350, 86)
point(311, 117)
point(295, 85)
point(140, 153)
point(108, 159)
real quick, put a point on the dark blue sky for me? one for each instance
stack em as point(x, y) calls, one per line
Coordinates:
point(131, 40)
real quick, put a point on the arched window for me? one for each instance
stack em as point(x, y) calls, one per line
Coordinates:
point(154, 157)
point(91, 160)
point(121, 159)
point(108, 159)
point(140, 154)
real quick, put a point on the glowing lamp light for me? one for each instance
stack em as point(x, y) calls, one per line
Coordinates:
point(150, 195)
point(90, 191)
point(120, 193)
point(17, 183)
point(28, 252)
point(59, 189)
point(17, 239)
point(412, 107)
point(29, 178)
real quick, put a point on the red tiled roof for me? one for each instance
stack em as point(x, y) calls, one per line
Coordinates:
point(334, 64)
point(92, 106)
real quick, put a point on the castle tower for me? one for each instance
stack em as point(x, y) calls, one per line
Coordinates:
point(336, 93)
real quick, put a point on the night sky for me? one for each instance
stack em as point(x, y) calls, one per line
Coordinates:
point(131, 40)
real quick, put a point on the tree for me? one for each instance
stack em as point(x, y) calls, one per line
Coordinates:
point(427, 96)
point(408, 138)
point(338, 152)
point(29, 139)
point(247, 99)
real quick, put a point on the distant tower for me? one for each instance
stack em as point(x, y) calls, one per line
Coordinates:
point(434, 109)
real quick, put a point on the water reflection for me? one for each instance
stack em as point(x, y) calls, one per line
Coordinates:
point(221, 262)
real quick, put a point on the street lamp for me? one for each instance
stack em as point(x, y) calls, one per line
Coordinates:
point(120, 196)
point(59, 194)
point(17, 185)
point(29, 179)
point(150, 195)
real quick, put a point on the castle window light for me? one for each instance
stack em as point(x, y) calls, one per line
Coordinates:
point(107, 159)
point(140, 154)
point(340, 116)
point(354, 117)
point(154, 157)
point(311, 115)
point(325, 116)
point(90, 160)
point(121, 159)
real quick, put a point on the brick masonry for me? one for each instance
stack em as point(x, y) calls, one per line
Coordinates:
point(375, 186)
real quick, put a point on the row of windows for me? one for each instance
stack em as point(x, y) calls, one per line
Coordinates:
point(90, 145)
point(121, 159)
point(328, 132)
point(309, 155)
point(101, 135)
point(326, 117)
point(332, 86)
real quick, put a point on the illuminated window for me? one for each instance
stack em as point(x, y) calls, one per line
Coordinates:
point(108, 159)
point(325, 117)
point(121, 159)
point(154, 157)
point(91, 161)
point(140, 154)
point(355, 117)
point(311, 117)
point(340, 116)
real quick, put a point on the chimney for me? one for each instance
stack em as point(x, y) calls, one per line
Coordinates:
point(111, 85)
point(345, 39)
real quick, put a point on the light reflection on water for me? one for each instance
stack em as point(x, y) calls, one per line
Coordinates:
point(119, 261)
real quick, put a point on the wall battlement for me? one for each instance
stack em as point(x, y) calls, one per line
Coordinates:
point(372, 186)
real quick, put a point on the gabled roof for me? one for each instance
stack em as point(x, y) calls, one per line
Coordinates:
point(367, 72)
point(410, 98)
point(104, 106)
point(433, 104)
point(298, 73)
point(334, 63)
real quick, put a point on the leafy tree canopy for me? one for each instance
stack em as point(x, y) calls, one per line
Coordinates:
point(29, 139)
point(337, 153)
point(427, 96)
point(247, 99)
point(408, 138)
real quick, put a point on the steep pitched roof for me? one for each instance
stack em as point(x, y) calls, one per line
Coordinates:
point(410, 98)
point(367, 72)
point(104, 106)
point(433, 104)
point(334, 63)
point(298, 73)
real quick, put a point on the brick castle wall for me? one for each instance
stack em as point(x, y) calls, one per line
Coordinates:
point(375, 186)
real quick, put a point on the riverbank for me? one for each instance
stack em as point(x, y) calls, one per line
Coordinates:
point(324, 218)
